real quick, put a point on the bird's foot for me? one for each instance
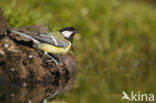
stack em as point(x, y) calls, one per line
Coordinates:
point(53, 59)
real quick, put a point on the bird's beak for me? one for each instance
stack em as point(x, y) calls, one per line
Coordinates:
point(76, 31)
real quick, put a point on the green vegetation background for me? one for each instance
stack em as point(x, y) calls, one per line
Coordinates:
point(116, 48)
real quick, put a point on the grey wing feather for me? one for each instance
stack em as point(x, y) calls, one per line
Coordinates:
point(46, 38)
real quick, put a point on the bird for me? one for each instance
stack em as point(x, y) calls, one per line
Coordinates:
point(52, 44)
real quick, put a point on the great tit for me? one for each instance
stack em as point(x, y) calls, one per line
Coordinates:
point(55, 43)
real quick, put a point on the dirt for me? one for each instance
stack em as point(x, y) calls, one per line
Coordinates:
point(21, 63)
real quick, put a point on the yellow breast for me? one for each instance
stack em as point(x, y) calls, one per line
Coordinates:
point(54, 49)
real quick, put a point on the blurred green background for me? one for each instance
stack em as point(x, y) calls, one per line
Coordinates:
point(116, 48)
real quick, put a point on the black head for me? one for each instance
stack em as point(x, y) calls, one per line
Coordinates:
point(68, 33)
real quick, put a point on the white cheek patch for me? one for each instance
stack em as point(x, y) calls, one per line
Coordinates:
point(67, 34)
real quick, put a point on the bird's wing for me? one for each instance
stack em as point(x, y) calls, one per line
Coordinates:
point(55, 39)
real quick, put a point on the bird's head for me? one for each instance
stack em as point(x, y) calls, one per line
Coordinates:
point(68, 33)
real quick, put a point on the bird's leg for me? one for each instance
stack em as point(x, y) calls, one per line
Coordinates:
point(53, 58)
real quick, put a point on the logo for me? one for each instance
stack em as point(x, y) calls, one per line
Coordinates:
point(137, 96)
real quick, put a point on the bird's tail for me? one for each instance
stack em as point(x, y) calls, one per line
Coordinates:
point(25, 35)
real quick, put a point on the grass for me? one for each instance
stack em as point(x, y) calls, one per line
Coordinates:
point(115, 49)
